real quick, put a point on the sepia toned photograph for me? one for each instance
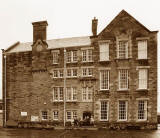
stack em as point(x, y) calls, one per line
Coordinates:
point(79, 69)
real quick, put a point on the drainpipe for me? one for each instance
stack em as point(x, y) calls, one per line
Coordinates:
point(64, 87)
point(4, 86)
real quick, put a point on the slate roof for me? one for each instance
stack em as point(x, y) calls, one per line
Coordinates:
point(52, 44)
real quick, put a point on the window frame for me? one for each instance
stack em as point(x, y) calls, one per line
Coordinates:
point(126, 108)
point(88, 91)
point(143, 79)
point(120, 76)
point(107, 106)
point(143, 51)
point(55, 118)
point(145, 110)
point(42, 115)
point(55, 61)
point(107, 81)
point(73, 93)
point(86, 57)
point(59, 98)
point(104, 52)
point(126, 51)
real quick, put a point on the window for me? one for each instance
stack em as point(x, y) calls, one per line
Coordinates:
point(55, 93)
point(87, 55)
point(55, 115)
point(104, 110)
point(104, 80)
point(86, 94)
point(122, 52)
point(104, 51)
point(58, 73)
point(71, 93)
point(72, 72)
point(55, 57)
point(55, 73)
point(122, 111)
point(143, 73)
point(86, 72)
point(44, 115)
point(71, 115)
point(142, 49)
point(68, 56)
point(69, 73)
point(58, 94)
point(142, 110)
point(123, 79)
point(71, 56)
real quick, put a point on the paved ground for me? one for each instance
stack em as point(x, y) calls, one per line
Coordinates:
point(27, 133)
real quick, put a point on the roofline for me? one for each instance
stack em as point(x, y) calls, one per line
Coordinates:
point(130, 16)
point(12, 46)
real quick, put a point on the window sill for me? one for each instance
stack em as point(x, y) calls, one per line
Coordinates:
point(104, 90)
point(141, 120)
point(55, 63)
point(123, 58)
point(57, 101)
point(122, 120)
point(86, 101)
point(87, 61)
point(123, 90)
point(142, 90)
point(71, 101)
point(71, 62)
point(104, 61)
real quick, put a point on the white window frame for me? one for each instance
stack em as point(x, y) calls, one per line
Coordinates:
point(86, 91)
point(104, 51)
point(55, 115)
point(107, 76)
point(73, 113)
point(85, 71)
point(60, 73)
point(126, 108)
point(73, 56)
point(107, 106)
point(73, 92)
point(119, 49)
point(42, 115)
point(142, 49)
point(72, 72)
point(144, 109)
point(143, 78)
point(55, 55)
point(87, 57)
point(59, 98)
point(121, 74)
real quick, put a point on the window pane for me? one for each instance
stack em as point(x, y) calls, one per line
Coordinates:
point(68, 56)
point(123, 49)
point(90, 55)
point(142, 49)
point(84, 55)
point(104, 52)
point(104, 110)
point(55, 91)
point(84, 94)
point(141, 111)
point(55, 57)
point(74, 56)
point(104, 79)
point(44, 115)
point(143, 78)
point(60, 73)
point(74, 114)
point(122, 110)
point(90, 71)
point(69, 95)
point(68, 115)
point(74, 72)
point(69, 74)
point(61, 93)
point(123, 79)
point(84, 71)
point(74, 93)
point(55, 73)
point(55, 115)
point(89, 94)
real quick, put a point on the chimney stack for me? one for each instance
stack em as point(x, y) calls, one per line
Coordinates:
point(39, 30)
point(94, 26)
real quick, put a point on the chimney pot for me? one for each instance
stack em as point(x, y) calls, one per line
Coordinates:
point(94, 26)
point(40, 30)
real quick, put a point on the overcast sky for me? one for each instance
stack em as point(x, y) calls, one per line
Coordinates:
point(69, 18)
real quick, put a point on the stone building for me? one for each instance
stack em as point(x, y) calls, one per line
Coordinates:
point(111, 76)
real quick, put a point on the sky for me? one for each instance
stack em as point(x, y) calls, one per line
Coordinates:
point(69, 18)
